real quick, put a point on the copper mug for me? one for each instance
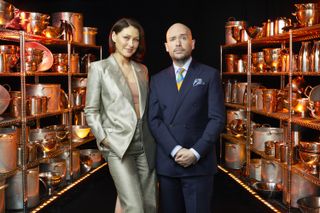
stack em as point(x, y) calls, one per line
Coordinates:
point(269, 148)
point(270, 100)
point(277, 151)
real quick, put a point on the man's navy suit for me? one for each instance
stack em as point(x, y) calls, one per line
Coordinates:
point(193, 118)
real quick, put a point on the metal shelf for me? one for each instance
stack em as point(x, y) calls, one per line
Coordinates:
point(7, 121)
point(20, 37)
point(300, 34)
point(300, 170)
point(296, 168)
point(14, 36)
point(60, 150)
point(277, 115)
point(270, 73)
point(237, 106)
point(311, 123)
point(283, 40)
point(9, 174)
point(233, 138)
point(45, 73)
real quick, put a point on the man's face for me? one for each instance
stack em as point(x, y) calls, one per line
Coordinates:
point(179, 43)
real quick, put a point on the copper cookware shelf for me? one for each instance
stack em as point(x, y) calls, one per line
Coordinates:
point(311, 123)
point(237, 106)
point(14, 35)
point(8, 174)
point(61, 192)
point(19, 37)
point(58, 152)
point(286, 39)
point(300, 34)
point(233, 138)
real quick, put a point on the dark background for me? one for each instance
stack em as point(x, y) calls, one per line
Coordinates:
point(206, 18)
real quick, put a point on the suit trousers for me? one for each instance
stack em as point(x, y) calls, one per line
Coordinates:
point(136, 184)
point(186, 194)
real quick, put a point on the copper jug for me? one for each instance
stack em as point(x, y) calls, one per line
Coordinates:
point(315, 57)
point(304, 56)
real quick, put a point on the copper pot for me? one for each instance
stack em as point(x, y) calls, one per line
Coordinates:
point(89, 35)
point(52, 91)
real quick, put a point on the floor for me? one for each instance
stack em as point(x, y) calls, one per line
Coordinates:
point(97, 194)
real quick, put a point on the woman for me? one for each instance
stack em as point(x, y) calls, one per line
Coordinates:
point(116, 100)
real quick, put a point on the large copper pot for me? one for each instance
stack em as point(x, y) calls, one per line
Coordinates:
point(52, 91)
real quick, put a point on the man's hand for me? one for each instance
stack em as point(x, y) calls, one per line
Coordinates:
point(185, 157)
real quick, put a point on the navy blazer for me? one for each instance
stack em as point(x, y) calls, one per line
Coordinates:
point(192, 117)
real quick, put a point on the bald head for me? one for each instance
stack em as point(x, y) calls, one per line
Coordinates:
point(179, 43)
point(180, 28)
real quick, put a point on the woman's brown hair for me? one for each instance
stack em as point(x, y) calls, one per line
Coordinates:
point(118, 27)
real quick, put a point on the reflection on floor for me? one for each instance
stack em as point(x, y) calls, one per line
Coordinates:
point(97, 194)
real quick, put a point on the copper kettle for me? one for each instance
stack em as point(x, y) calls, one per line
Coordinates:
point(298, 85)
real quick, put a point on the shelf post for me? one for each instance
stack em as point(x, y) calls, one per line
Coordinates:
point(248, 109)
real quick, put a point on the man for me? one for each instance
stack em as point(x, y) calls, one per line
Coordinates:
point(186, 116)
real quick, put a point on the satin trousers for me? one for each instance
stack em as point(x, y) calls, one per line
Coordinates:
point(136, 184)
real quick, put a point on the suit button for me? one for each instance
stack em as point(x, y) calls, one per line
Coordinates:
point(171, 125)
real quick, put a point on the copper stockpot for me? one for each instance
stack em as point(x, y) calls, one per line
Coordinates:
point(89, 35)
point(52, 91)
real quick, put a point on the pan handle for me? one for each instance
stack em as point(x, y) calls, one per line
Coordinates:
point(306, 93)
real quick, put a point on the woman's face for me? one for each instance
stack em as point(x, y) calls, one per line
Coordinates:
point(126, 41)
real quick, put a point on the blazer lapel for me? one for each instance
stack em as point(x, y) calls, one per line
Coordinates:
point(172, 81)
point(120, 80)
point(141, 80)
point(192, 73)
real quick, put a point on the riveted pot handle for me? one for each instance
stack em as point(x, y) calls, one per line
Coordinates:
point(44, 183)
point(307, 89)
point(3, 186)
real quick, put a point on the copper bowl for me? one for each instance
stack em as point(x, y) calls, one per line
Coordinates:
point(308, 17)
point(310, 146)
point(309, 157)
point(309, 204)
point(79, 132)
point(268, 189)
point(51, 179)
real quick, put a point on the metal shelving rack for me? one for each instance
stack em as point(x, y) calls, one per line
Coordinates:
point(21, 37)
point(288, 38)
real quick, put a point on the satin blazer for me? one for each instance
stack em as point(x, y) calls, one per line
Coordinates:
point(192, 117)
point(110, 109)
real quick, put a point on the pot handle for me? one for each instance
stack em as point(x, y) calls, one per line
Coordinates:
point(7, 86)
point(3, 186)
point(308, 93)
point(312, 110)
point(270, 162)
point(63, 137)
point(231, 145)
point(265, 125)
point(44, 183)
point(257, 165)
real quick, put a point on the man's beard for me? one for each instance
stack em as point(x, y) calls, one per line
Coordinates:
point(183, 59)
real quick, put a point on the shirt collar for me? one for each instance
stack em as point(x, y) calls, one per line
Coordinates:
point(185, 66)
